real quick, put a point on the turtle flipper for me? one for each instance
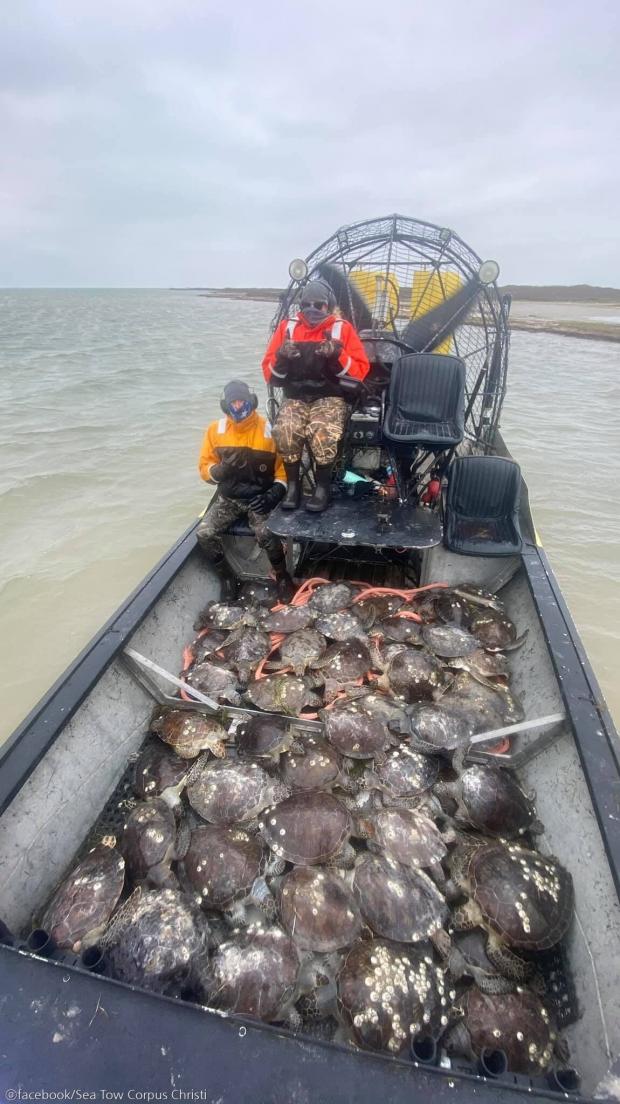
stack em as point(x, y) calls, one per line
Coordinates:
point(506, 961)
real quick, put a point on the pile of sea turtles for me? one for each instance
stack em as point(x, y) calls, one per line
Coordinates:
point(327, 860)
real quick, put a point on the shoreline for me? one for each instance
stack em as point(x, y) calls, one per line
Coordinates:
point(586, 330)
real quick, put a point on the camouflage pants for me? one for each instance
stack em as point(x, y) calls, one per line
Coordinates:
point(319, 424)
point(222, 514)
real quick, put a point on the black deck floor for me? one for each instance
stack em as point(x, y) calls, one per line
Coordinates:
point(355, 521)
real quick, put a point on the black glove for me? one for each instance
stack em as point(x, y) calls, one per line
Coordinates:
point(266, 502)
point(229, 464)
point(328, 349)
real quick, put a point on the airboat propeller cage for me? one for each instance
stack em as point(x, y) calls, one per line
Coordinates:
point(389, 274)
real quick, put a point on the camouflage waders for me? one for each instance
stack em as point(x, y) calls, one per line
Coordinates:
point(319, 424)
point(222, 514)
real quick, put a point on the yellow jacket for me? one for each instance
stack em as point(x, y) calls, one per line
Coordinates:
point(248, 444)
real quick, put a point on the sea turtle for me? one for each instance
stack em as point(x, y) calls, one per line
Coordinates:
point(156, 940)
point(232, 792)
point(522, 899)
point(342, 664)
point(223, 867)
point(495, 631)
point(159, 772)
point(517, 1023)
point(452, 610)
point(206, 644)
point(399, 630)
point(244, 649)
point(434, 729)
point(410, 674)
point(448, 641)
point(396, 901)
point(406, 835)
point(403, 777)
point(376, 607)
point(287, 620)
point(224, 615)
point(318, 910)
point(340, 625)
point(378, 705)
point(491, 801)
point(309, 829)
point(302, 649)
point(151, 840)
point(388, 993)
point(330, 597)
point(255, 974)
point(486, 705)
point(84, 901)
point(258, 592)
point(356, 734)
point(315, 765)
point(188, 733)
point(265, 738)
point(215, 680)
point(286, 694)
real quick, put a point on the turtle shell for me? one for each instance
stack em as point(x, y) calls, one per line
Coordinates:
point(494, 803)
point(153, 940)
point(318, 910)
point(356, 734)
point(380, 605)
point(493, 629)
point(157, 769)
point(317, 769)
point(399, 630)
point(287, 620)
point(226, 615)
point(302, 648)
point(406, 835)
point(232, 792)
point(340, 625)
point(449, 641)
point(262, 737)
point(406, 774)
point(258, 592)
point(246, 652)
point(215, 680)
point(86, 898)
point(190, 733)
point(307, 828)
point(255, 974)
point(148, 837)
point(438, 728)
point(221, 865)
point(281, 694)
point(525, 897)
point(388, 993)
point(396, 901)
point(380, 706)
point(517, 1023)
point(346, 662)
point(414, 675)
point(330, 597)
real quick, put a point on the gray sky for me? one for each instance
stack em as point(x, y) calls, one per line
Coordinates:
point(173, 142)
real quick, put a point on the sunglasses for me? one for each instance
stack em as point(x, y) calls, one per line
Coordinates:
point(317, 306)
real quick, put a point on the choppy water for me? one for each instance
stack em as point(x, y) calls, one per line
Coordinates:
point(104, 398)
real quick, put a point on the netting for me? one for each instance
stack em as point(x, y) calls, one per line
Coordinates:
point(387, 272)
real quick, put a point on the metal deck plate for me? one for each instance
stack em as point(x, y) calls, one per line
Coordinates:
point(356, 521)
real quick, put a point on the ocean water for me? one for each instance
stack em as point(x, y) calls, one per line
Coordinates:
point(104, 397)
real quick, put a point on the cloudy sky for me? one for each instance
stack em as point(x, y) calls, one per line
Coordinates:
point(172, 142)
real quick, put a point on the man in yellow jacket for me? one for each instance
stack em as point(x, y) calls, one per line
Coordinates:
point(239, 455)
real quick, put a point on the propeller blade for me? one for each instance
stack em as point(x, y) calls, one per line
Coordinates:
point(424, 333)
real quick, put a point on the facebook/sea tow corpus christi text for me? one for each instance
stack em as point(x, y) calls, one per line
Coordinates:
point(146, 1096)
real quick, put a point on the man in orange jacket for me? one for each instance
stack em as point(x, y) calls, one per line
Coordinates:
point(239, 455)
point(316, 359)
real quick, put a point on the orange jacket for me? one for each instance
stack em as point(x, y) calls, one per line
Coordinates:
point(257, 463)
point(353, 359)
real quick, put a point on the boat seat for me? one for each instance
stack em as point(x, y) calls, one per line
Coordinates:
point(426, 401)
point(482, 507)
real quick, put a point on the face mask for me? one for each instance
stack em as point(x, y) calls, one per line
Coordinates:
point(243, 412)
point(314, 314)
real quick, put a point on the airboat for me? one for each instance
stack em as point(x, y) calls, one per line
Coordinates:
point(425, 491)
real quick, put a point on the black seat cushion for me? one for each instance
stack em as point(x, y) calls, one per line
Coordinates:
point(482, 507)
point(426, 401)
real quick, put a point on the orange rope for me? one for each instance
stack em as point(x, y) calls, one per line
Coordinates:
point(406, 594)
